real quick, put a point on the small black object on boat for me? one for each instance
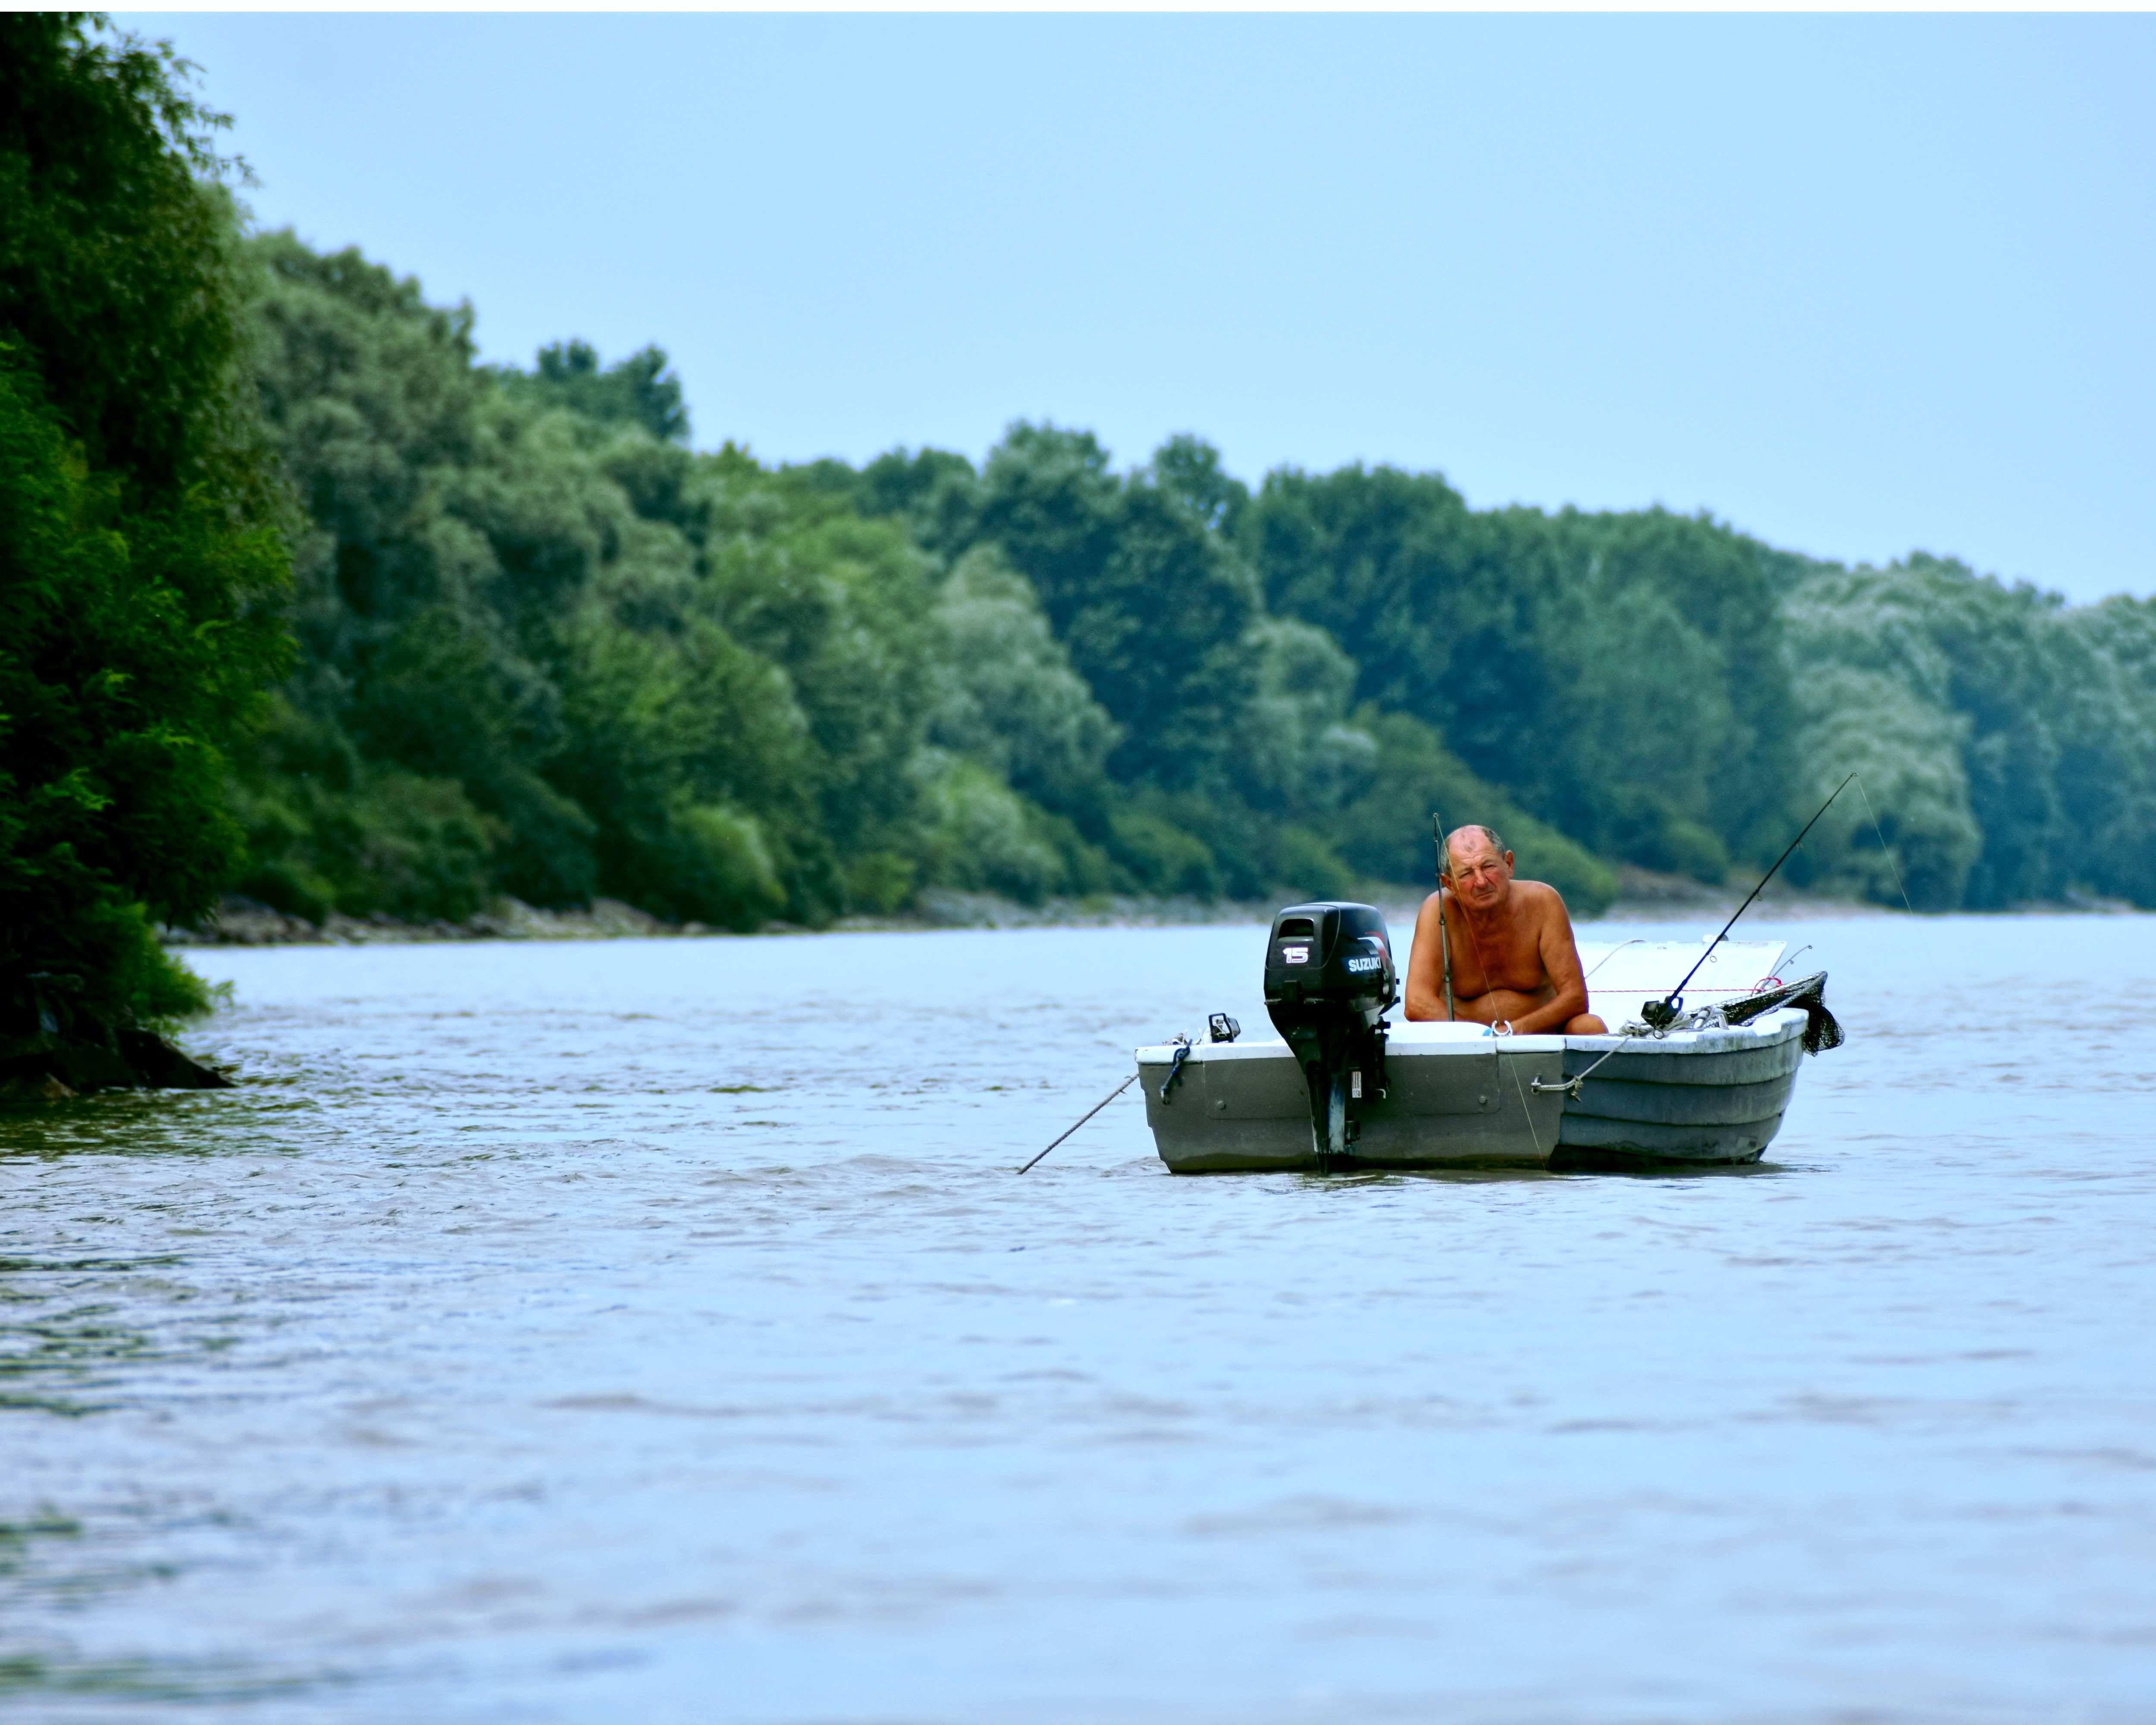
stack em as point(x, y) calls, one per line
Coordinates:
point(1661, 1014)
point(1329, 983)
point(1220, 1028)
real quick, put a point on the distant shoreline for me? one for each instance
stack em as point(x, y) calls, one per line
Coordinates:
point(1643, 897)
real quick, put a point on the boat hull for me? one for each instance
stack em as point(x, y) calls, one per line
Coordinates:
point(1712, 1097)
point(1459, 1098)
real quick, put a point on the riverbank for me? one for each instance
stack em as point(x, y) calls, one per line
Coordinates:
point(245, 922)
point(1644, 896)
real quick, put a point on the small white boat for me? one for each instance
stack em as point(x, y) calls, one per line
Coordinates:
point(1424, 1095)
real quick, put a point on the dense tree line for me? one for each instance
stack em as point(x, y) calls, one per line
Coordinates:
point(303, 600)
point(549, 649)
point(546, 650)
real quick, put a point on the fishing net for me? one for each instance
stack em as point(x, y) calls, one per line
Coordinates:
point(1822, 1029)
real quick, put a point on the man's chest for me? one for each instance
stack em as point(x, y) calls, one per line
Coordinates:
point(1499, 957)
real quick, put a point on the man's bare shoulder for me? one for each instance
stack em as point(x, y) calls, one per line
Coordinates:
point(1540, 898)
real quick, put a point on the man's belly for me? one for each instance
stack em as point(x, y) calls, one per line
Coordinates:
point(1495, 1004)
point(1534, 995)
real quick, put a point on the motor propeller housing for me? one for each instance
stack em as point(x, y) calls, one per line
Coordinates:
point(1329, 983)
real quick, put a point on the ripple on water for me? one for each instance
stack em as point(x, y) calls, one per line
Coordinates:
point(655, 1330)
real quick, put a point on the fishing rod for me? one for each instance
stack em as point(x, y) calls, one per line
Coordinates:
point(1661, 1013)
point(1444, 933)
point(1089, 1114)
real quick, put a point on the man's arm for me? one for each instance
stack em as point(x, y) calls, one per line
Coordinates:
point(1425, 995)
point(1560, 956)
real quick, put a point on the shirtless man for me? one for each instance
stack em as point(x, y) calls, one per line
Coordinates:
point(1512, 954)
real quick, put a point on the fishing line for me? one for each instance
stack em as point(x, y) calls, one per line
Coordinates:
point(1533, 1136)
point(1637, 940)
point(1898, 886)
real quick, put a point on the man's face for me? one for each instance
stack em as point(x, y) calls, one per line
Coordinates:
point(1481, 874)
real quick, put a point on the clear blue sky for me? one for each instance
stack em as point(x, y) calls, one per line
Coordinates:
point(1856, 284)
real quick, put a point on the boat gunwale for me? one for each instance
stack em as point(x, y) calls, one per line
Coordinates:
point(1770, 1030)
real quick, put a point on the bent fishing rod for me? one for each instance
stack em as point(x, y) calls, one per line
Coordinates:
point(1661, 1013)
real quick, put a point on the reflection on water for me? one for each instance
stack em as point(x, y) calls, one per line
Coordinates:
point(657, 1331)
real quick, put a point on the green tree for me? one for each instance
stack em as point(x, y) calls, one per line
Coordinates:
point(640, 390)
point(141, 558)
point(1008, 694)
point(2019, 727)
point(450, 532)
point(1618, 673)
point(2115, 786)
point(1152, 606)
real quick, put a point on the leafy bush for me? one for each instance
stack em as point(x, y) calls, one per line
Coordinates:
point(986, 838)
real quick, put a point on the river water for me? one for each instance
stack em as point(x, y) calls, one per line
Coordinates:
point(650, 1331)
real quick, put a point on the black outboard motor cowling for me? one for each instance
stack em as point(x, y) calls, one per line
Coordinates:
point(1329, 983)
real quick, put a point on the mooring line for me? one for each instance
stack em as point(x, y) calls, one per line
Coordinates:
point(1533, 1136)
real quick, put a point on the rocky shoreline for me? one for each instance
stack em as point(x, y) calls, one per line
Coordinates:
point(1643, 896)
point(245, 922)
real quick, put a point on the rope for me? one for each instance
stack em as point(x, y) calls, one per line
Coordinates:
point(1571, 1086)
point(1534, 1136)
point(1175, 1068)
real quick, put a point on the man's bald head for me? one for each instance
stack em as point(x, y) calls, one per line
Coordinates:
point(1470, 840)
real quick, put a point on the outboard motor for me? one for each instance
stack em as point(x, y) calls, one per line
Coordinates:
point(1329, 983)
